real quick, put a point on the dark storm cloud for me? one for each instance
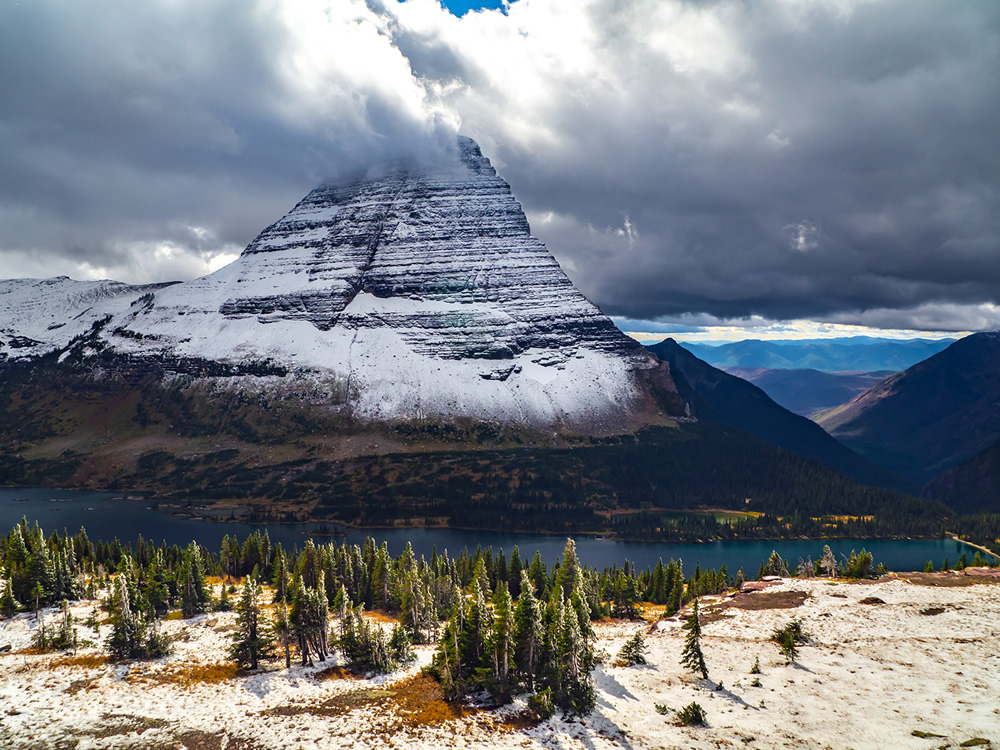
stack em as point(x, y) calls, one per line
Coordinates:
point(127, 127)
point(826, 160)
point(783, 160)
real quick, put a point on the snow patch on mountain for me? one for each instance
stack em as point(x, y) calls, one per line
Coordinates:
point(41, 315)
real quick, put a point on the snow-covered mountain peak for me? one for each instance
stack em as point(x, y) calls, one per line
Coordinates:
point(422, 290)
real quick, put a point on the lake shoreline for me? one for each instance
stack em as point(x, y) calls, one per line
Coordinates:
point(979, 547)
point(107, 517)
point(182, 511)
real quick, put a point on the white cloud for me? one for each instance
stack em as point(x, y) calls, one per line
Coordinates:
point(714, 126)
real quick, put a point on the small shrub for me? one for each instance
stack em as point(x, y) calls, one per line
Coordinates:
point(399, 646)
point(541, 704)
point(789, 638)
point(794, 629)
point(158, 644)
point(756, 682)
point(786, 645)
point(661, 709)
point(634, 651)
point(755, 669)
point(692, 715)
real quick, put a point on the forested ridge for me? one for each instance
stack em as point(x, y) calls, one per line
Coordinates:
point(281, 457)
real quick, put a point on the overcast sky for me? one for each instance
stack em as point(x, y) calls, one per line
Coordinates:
point(768, 164)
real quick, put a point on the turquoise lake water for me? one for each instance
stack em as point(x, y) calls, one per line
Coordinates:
point(107, 515)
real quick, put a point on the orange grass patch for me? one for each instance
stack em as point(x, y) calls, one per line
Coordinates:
point(519, 722)
point(334, 673)
point(378, 616)
point(412, 703)
point(186, 675)
point(77, 685)
point(419, 701)
point(87, 661)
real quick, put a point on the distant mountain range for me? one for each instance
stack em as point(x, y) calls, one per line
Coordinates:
point(807, 392)
point(853, 354)
point(716, 396)
point(930, 418)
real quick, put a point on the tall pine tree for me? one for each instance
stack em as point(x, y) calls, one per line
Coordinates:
point(692, 657)
point(253, 639)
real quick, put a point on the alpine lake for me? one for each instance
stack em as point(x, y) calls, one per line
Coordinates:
point(108, 516)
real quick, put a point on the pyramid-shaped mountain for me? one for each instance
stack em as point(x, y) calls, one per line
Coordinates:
point(396, 349)
point(419, 294)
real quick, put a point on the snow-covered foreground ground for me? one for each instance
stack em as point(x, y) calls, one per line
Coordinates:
point(927, 659)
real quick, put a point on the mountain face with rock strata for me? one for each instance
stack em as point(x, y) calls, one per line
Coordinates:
point(418, 294)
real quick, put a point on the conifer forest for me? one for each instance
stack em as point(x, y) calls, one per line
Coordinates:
point(503, 624)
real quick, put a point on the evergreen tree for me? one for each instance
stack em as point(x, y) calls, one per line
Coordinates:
point(569, 569)
point(281, 578)
point(501, 643)
point(341, 603)
point(155, 590)
point(132, 636)
point(39, 573)
point(223, 604)
point(383, 580)
point(859, 565)
point(788, 639)
point(539, 575)
point(571, 660)
point(476, 625)
point(253, 639)
point(529, 632)
point(364, 646)
point(191, 583)
point(448, 663)
point(417, 611)
point(514, 573)
point(283, 630)
point(776, 566)
point(692, 657)
point(9, 606)
point(400, 650)
point(310, 617)
point(675, 598)
point(17, 550)
point(126, 627)
point(625, 597)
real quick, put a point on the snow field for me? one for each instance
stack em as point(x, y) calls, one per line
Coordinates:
point(870, 676)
